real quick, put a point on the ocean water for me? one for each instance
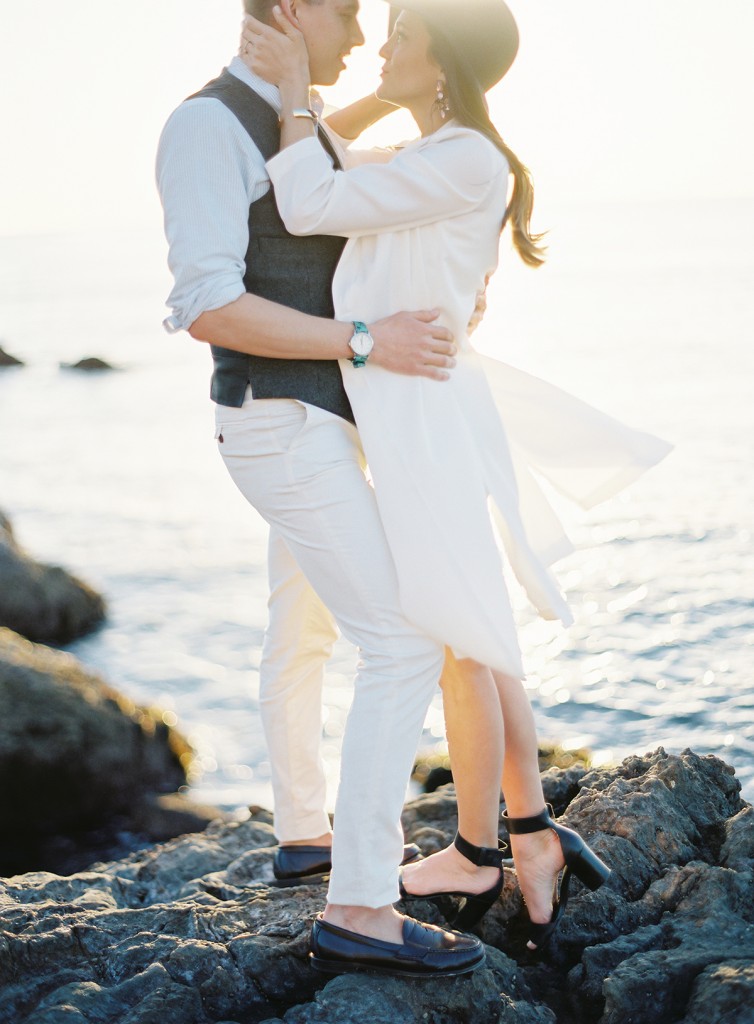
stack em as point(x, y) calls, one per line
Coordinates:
point(645, 311)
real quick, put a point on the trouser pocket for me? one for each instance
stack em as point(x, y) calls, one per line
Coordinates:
point(268, 426)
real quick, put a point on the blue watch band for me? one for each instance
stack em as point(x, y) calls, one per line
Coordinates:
point(356, 358)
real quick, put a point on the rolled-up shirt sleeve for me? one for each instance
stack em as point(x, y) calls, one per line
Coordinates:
point(208, 173)
point(420, 185)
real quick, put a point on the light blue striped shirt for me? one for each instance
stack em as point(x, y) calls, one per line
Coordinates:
point(209, 172)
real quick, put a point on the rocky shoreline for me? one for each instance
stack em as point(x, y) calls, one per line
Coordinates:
point(44, 603)
point(85, 773)
point(83, 770)
point(192, 931)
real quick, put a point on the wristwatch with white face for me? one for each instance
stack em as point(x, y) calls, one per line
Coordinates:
point(304, 112)
point(361, 343)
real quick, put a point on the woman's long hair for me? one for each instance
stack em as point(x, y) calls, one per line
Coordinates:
point(468, 106)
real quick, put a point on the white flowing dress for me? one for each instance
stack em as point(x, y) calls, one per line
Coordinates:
point(454, 464)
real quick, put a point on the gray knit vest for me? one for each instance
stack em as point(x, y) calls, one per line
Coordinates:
point(295, 272)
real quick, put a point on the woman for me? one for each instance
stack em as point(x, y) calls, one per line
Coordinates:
point(423, 231)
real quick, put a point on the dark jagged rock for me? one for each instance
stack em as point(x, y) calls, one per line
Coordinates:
point(192, 933)
point(496, 993)
point(88, 363)
point(164, 816)
point(43, 602)
point(193, 928)
point(724, 993)
point(6, 359)
point(77, 756)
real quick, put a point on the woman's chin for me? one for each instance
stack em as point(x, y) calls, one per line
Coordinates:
point(382, 92)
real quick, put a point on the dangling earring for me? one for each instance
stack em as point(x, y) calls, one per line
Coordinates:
point(441, 103)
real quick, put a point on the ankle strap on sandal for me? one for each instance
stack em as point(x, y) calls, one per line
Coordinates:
point(536, 823)
point(482, 856)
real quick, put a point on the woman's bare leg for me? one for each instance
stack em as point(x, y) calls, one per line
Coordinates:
point(474, 728)
point(491, 734)
point(537, 856)
point(521, 781)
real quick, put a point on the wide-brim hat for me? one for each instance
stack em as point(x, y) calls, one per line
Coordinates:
point(482, 32)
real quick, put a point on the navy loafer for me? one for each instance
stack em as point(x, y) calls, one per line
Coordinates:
point(307, 865)
point(426, 952)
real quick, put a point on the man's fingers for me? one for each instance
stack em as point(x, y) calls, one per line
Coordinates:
point(425, 315)
point(428, 316)
point(435, 374)
point(438, 359)
point(415, 345)
point(444, 346)
point(253, 27)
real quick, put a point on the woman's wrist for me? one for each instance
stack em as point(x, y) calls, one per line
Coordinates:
point(294, 93)
point(294, 102)
point(349, 122)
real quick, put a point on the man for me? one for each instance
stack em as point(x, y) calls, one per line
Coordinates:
point(286, 433)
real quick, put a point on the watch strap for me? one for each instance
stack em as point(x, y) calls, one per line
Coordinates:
point(306, 112)
point(357, 359)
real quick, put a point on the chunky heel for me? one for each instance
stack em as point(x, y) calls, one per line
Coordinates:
point(580, 860)
point(590, 869)
point(474, 908)
point(474, 905)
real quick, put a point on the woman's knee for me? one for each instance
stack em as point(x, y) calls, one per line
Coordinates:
point(507, 685)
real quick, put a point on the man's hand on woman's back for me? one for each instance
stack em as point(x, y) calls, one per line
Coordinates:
point(413, 344)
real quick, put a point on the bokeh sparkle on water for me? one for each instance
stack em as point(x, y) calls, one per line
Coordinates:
point(645, 311)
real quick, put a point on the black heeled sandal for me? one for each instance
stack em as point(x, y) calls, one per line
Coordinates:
point(474, 905)
point(580, 860)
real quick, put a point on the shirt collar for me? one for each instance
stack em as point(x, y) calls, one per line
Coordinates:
point(269, 93)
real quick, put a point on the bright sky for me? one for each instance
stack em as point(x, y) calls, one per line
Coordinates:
point(607, 100)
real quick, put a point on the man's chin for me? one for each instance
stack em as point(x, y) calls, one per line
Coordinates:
point(328, 76)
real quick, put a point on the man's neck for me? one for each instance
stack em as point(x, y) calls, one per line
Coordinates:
point(265, 89)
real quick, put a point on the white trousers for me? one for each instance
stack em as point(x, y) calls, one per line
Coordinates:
point(303, 470)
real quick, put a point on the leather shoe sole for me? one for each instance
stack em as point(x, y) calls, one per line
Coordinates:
point(426, 952)
point(310, 865)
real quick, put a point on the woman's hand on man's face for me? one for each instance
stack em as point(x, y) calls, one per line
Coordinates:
point(278, 55)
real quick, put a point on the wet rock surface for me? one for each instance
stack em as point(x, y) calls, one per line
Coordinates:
point(191, 932)
point(7, 359)
point(88, 364)
point(75, 757)
point(44, 603)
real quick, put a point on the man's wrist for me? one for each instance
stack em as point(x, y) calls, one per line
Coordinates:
point(345, 330)
point(345, 336)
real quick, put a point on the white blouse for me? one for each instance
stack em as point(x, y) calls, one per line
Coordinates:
point(454, 463)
